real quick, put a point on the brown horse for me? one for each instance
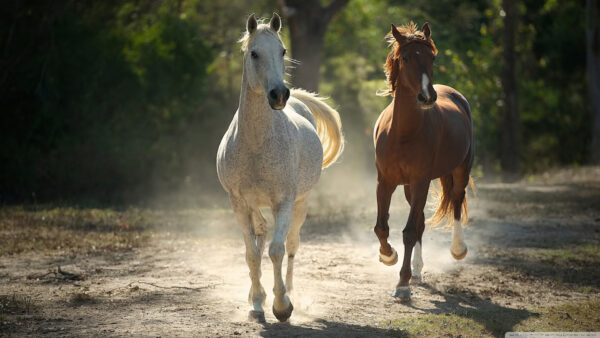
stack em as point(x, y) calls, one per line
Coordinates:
point(424, 134)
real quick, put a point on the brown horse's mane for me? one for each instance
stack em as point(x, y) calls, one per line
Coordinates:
point(392, 67)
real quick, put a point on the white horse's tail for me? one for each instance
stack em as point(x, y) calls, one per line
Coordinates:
point(329, 125)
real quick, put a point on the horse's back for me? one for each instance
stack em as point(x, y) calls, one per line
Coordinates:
point(457, 129)
point(451, 99)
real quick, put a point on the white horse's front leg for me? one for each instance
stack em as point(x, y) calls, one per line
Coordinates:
point(282, 307)
point(254, 249)
point(293, 240)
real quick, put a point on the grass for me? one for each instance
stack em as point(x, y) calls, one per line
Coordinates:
point(575, 266)
point(579, 255)
point(574, 317)
point(15, 304)
point(68, 230)
point(12, 306)
point(75, 230)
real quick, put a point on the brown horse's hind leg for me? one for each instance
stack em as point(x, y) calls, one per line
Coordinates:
point(417, 259)
point(418, 194)
point(387, 255)
point(460, 178)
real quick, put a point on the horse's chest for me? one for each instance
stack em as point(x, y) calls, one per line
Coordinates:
point(402, 163)
point(255, 169)
point(264, 165)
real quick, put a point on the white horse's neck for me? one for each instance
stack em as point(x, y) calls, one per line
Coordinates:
point(254, 116)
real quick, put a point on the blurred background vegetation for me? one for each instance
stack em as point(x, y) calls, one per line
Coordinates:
point(123, 101)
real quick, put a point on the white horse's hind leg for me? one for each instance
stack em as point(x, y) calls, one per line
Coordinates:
point(293, 241)
point(282, 307)
point(459, 248)
point(254, 249)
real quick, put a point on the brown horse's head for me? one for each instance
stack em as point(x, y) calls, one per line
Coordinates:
point(409, 64)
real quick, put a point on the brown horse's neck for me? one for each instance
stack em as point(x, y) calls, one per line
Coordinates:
point(408, 116)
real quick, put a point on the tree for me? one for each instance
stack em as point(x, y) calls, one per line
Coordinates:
point(509, 157)
point(308, 21)
point(593, 69)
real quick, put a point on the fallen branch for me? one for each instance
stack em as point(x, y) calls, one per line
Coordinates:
point(131, 284)
point(68, 275)
point(178, 287)
point(58, 274)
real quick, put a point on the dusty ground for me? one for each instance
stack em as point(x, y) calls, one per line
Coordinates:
point(532, 245)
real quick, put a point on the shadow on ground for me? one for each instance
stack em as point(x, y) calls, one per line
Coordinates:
point(326, 328)
point(495, 318)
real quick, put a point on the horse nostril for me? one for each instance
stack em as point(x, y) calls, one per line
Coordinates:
point(421, 98)
point(287, 94)
point(273, 94)
point(434, 97)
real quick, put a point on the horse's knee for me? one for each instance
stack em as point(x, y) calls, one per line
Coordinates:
point(276, 251)
point(381, 230)
point(409, 237)
point(252, 256)
point(292, 243)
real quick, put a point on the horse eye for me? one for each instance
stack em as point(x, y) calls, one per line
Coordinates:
point(254, 55)
point(405, 59)
point(283, 53)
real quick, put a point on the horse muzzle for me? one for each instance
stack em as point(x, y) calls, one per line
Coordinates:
point(278, 97)
point(427, 100)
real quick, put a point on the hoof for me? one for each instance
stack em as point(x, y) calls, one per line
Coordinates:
point(402, 294)
point(389, 260)
point(416, 280)
point(460, 256)
point(256, 316)
point(285, 314)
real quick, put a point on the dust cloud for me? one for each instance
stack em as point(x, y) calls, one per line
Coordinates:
point(337, 247)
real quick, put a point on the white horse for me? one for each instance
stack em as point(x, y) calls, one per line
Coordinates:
point(271, 156)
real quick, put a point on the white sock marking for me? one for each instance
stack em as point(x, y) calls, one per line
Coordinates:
point(458, 244)
point(417, 263)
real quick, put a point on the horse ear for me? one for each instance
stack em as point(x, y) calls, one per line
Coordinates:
point(251, 24)
point(399, 37)
point(426, 30)
point(275, 22)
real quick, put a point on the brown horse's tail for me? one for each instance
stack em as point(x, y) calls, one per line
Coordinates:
point(450, 202)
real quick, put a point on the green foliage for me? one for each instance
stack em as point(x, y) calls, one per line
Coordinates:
point(117, 101)
point(117, 89)
point(552, 90)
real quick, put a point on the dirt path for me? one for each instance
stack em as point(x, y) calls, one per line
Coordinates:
point(196, 283)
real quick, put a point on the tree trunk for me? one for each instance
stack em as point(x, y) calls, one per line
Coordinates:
point(308, 21)
point(593, 68)
point(509, 158)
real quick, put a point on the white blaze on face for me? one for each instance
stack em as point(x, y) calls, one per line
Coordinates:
point(425, 84)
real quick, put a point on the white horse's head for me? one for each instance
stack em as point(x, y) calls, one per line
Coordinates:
point(264, 65)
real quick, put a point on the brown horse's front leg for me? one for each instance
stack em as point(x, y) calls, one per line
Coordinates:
point(387, 255)
point(418, 194)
